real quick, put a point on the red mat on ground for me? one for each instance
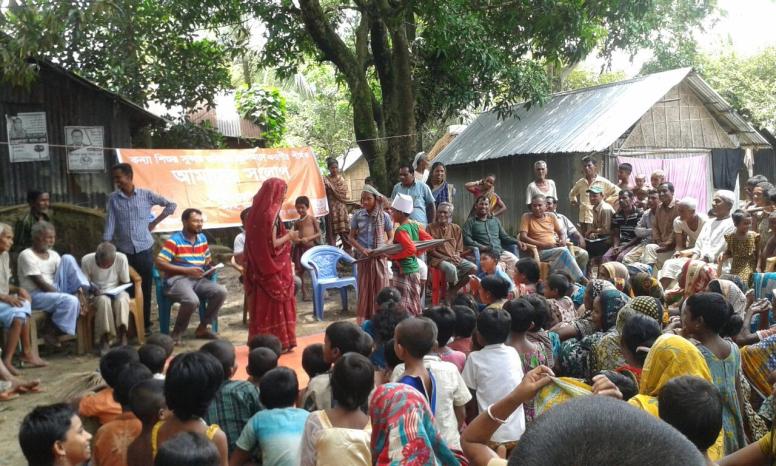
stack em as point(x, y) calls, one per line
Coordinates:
point(292, 359)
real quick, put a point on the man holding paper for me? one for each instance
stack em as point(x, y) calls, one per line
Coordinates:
point(186, 263)
point(107, 270)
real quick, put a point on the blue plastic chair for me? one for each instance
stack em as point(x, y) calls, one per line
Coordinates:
point(322, 262)
point(165, 303)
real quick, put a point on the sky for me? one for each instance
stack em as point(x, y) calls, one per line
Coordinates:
point(746, 24)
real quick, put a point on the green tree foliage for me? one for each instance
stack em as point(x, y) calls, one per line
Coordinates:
point(320, 114)
point(142, 49)
point(409, 62)
point(187, 135)
point(266, 108)
point(747, 83)
point(579, 79)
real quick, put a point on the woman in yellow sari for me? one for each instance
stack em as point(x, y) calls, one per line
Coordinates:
point(671, 356)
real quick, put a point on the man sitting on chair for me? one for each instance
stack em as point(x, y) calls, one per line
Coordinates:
point(485, 232)
point(185, 260)
point(52, 282)
point(542, 230)
point(106, 269)
point(447, 257)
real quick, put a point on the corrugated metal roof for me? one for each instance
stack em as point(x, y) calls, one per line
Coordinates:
point(585, 120)
point(352, 156)
point(225, 118)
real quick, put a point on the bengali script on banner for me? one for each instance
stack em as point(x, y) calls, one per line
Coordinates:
point(221, 183)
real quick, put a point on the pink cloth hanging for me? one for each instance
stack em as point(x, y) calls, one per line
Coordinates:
point(689, 175)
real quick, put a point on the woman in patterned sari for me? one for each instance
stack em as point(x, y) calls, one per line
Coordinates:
point(440, 188)
point(269, 282)
point(403, 430)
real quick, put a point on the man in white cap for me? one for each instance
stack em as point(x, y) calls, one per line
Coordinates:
point(687, 226)
point(406, 268)
point(711, 240)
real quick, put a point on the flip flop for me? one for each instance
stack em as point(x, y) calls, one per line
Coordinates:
point(206, 335)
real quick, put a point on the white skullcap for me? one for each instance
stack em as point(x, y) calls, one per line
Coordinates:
point(689, 202)
point(403, 203)
point(727, 196)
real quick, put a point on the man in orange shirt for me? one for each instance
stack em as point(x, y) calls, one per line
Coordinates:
point(542, 230)
point(112, 440)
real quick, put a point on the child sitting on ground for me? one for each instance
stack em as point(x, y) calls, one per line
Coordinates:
point(465, 322)
point(260, 361)
point(549, 341)
point(309, 233)
point(236, 401)
point(439, 381)
point(561, 306)
point(391, 362)
point(275, 432)
point(494, 371)
point(445, 321)
point(489, 265)
point(188, 448)
point(111, 440)
point(694, 407)
point(340, 338)
point(163, 340)
point(266, 341)
point(146, 400)
point(742, 247)
point(313, 362)
point(493, 292)
point(382, 326)
point(532, 354)
point(342, 434)
point(102, 405)
point(527, 275)
point(192, 381)
point(154, 358)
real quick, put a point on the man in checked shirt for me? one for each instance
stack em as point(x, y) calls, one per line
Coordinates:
point(128, 227)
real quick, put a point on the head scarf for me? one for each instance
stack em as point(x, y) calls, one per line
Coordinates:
point(757, 362)
point(265, 265)
point(403, 431)
point(695, 277)
point(671, 356)
point(618, 274)
point(733, 295)
point(377, 217)
point(596, 287)
point(647, 305)
point(611, 303)
point(644, 284)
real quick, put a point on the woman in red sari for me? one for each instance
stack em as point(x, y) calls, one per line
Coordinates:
point(269, 280)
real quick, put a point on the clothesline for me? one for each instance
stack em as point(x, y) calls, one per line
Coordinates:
point(66, 146)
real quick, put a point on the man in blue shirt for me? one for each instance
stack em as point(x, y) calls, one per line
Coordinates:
point(128, 227)
point(422, 199)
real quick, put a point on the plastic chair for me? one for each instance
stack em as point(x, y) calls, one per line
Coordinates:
point(321, 262)
point(438, 285)
point(165, 303)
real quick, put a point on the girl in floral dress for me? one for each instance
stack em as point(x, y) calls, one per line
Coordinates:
point(742, 247)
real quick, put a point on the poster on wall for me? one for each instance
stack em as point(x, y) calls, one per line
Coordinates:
point(27, 137)
point(85, 148)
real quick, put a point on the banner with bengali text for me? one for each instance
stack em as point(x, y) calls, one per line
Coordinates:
point(221, 183)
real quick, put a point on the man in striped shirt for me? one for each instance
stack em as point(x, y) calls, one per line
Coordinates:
point(127, 226)
point(624, 224)
point(185, 260)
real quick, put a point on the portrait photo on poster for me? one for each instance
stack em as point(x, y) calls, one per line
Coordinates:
point(27, 137)
point(85, 151)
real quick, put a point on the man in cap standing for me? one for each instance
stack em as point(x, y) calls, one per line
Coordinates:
point(406, 268)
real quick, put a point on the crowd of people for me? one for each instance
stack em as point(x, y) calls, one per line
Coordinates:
point(568, 343)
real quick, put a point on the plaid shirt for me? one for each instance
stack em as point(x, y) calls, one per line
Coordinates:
point(128, 219)
point(235, 403)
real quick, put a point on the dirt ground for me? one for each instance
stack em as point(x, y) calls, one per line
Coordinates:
point(64, 363)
